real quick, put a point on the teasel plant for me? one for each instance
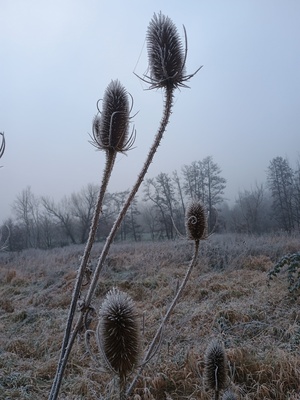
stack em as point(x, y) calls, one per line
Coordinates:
point(2, 145)
point(167, 62)
point(111, 135)
point(215, 368)
point(196, 230)
point(118, 337)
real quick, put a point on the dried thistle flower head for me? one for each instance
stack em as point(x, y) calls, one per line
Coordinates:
point(118, 333)
point(196, 221)
point(166, 54)
point(215, 361)
point(110, 128)
point(2, 145)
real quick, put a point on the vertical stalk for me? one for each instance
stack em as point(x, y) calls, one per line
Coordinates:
point(110, 160)
point(166, 317)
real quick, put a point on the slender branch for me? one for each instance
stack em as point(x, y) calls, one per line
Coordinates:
point(166, 317)
point(110, 160)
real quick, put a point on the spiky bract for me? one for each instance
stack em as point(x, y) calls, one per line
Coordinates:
point(165, 53)
point(110, 128)
point(118, 333)
point(196, 221)
point(215, 375)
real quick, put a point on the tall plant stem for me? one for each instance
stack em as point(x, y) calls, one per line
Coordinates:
point(166, 317)
point(69, 343)
point(110, 160)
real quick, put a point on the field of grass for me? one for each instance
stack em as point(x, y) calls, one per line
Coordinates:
point(227, 297)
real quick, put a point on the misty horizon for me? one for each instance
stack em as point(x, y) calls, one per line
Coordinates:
point(241, 108)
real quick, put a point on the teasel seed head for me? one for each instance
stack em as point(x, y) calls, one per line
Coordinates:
point(196, 221)
point(111, 125)
point(118, 333)
point(215, 361)
point(166, 54)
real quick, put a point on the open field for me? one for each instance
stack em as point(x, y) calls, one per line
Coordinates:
point(227, 297)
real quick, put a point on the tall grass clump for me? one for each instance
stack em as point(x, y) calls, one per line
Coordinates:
point(167, 61)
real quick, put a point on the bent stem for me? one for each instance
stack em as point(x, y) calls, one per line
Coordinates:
point(110, 160)
point(165, 319)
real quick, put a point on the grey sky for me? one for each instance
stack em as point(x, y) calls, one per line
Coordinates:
point(57, 58)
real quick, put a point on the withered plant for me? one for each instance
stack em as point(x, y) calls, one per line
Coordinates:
point(215, 376)
point(167, 61)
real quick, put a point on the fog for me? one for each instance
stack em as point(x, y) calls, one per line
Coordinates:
point(57, 58)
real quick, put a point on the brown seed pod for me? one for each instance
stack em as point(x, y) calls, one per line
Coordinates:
point(215, 361)
point(166, 54)
point(110, 128)
point(196, 221)
point(118, 333)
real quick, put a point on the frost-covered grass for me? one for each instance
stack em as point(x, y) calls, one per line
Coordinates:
point(227, 297)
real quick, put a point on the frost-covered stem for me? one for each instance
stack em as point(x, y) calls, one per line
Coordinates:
point(163, 124)
point(166, 317)
point(66, 349)
point(110, 160)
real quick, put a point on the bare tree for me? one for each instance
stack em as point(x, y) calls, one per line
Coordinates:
point(296, 195)
point(63, 214)
point(82, 207)
point(203, 181)
point(160, 192)
point(250, 204)
point(27, 210)
point(281, 185)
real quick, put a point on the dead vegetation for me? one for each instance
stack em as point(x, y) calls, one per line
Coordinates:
point(227, 297)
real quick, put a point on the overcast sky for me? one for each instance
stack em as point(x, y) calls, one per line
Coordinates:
point(58, 56)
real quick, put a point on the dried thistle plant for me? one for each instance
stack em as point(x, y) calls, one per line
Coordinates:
point(111, 124)
point(118, 335)
point(167, 71)
point(166, 54)
point(196, 221)
point(2, 145)
point(196, 231)
point(110, 134)
point(215, 372)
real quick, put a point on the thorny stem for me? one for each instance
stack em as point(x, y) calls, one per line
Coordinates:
point(67, 343)
point(165, 319)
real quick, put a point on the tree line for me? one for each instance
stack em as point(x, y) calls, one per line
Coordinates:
point(158, 212)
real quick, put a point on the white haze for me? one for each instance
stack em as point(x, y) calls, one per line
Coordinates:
point(57, 58)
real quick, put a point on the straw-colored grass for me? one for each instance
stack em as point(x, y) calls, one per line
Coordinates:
point(227, 297)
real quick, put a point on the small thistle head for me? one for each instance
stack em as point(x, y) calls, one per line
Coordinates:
point(118, 333)
point(111, 125)
point(2, 144)
point(215, 373)
point(166, 54)
point(196, 221)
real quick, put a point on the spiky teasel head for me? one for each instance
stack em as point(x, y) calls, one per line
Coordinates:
point(215, 362)
point(118, 333)
point(196, 221)
point(2, 144)
point(166, 54)
point(111, 125)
